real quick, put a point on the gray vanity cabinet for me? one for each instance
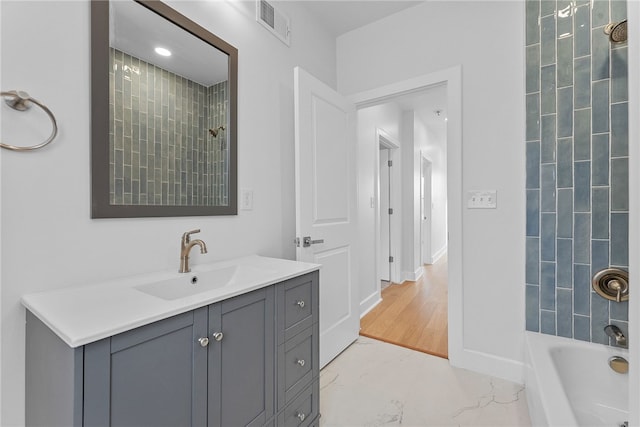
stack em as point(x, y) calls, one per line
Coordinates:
point(155, 375)
point(298, 333)
point(241, 364)
point(250, 360)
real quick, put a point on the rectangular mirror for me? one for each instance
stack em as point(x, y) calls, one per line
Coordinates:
point(164, 102)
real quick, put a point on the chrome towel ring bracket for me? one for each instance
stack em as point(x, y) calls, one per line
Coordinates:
point(21, 101)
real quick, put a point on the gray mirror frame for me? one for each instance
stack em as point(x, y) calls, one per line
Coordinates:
point(100, 204)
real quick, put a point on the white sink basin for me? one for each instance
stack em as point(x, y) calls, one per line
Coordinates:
point(85, 314)
point(196, 282)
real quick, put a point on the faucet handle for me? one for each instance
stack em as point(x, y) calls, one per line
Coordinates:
point(185, 236)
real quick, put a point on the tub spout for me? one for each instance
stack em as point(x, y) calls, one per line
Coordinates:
point(614, 332)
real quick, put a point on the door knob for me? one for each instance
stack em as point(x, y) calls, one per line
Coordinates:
point(204, 341)
point(217, 336)
point(301, 416)
point(300, 303)
point(306, 241)
point(300, 362)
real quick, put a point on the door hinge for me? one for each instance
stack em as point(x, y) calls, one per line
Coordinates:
point(390, 259)
point(296, 242)
point(390, 163)
point(390, 211)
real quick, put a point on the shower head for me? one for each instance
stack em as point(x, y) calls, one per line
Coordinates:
point(617, 31)
point(214, 132)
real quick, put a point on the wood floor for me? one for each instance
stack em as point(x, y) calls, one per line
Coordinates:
point(413, 314)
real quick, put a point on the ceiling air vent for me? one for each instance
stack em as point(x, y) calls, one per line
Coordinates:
point(273, 20)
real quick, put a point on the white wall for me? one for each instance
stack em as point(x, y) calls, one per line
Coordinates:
point(490, 51)
point(432, 140)
point(49, 240)
point(387, 118)
point(410, 170)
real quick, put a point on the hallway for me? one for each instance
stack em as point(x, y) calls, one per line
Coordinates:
point(413, 314)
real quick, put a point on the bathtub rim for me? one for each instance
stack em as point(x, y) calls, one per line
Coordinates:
point(539, 361)
point(553, 399)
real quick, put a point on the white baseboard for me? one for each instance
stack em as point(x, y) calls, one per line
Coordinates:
point(369, 303)
point(412, 276)
point(489, 364)
point(439, 254)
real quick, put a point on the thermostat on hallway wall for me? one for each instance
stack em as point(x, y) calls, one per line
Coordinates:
point(482, 199)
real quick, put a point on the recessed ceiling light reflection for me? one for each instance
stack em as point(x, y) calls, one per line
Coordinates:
point(162, 51)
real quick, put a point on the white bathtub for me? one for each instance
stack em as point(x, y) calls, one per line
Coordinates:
point(570, 383)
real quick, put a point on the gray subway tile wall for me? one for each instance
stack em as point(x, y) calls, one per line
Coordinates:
point(161, 152)
point(564, 268)
point(565, 162)
point(565, 213)
point(577, 165)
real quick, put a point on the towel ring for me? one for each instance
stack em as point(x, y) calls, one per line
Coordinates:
point(21, 101)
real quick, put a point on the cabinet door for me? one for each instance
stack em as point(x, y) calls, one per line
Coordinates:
point(154, 375)
point(241, 364)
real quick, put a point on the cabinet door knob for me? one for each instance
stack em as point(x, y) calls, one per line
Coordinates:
point(204, 341)
point(301, 416)
point(300, 362)
point(300, 303)
point(218, 336)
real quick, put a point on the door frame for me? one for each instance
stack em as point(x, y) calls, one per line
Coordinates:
point(426, 256)
point(383, 138)
point(452, 77)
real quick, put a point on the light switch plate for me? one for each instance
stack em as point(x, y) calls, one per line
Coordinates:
point(482, 199)
point(246, 199)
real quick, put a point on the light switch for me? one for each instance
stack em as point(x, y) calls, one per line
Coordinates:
point(482, 199)
point(246, 199)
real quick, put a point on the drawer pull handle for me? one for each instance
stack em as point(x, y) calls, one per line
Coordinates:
point(204, 341)
point(300, 362)
point(300, 303)
point(301, 416)
point(218, 336)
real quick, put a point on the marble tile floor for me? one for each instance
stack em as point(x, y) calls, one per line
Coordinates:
point(373, 383)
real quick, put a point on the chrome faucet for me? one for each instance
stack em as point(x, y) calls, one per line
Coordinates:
point(614, 332)
point(185, 247)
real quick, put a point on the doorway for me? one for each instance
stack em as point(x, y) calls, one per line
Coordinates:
point(387, 187)
point(385, 217)
point(416, 206)
point(413, 312)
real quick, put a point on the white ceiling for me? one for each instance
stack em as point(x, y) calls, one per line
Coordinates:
point(429, 100)
point(342, 16)
point(426, 103)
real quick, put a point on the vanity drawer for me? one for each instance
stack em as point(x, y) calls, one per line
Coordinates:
point(299, 305)
point(297, 364)
point(304, 410)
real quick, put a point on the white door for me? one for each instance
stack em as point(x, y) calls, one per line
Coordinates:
point(385, 223)
point(425, 223)
point(325, 138)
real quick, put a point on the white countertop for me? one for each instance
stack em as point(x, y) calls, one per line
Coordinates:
point(85, 314)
